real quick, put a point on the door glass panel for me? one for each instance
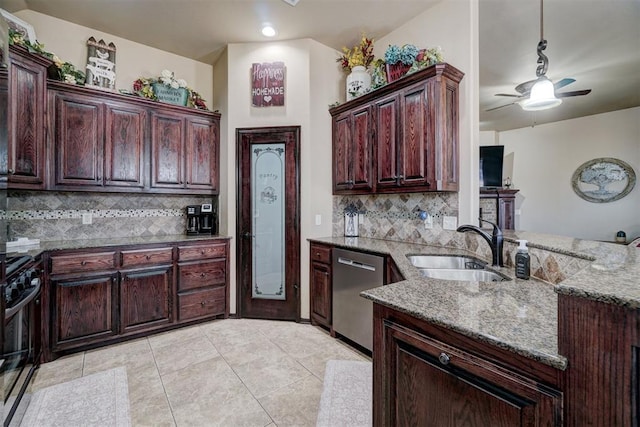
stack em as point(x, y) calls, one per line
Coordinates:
point(267, 199)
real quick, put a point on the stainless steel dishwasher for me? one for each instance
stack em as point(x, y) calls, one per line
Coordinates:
point(354, 272)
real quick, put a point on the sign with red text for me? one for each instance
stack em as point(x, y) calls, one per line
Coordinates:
point(267, 84)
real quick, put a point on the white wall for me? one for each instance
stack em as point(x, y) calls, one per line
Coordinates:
point(311, 76)
point(452, 25)
point(546, 156)
point(133, 60)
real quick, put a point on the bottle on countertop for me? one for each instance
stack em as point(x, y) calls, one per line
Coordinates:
point(522, 261)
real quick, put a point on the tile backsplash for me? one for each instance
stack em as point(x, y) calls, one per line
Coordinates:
point(395, 217)
point(58, 215)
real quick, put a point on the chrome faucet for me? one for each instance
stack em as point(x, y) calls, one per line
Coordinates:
point(494, 240)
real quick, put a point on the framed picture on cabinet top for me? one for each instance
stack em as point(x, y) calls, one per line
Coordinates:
point(18, 25)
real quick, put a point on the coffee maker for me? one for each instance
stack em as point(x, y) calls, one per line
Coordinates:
point(201, 219)
point(193, 219)
point(207, 219)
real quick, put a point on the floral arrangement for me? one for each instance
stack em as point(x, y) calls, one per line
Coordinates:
point(360, 54)
point(406, 54)
point(144, 87)
point(66, 71)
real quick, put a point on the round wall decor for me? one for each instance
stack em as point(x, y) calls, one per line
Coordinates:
point(603, 180)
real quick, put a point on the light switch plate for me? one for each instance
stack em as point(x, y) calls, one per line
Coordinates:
point(87, 218)
point(450, 222)
point(318, 219)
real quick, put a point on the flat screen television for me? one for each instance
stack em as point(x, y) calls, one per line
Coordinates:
point(491, 157)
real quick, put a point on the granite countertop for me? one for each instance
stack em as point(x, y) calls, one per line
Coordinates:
point(108, 242)
point(517, 315)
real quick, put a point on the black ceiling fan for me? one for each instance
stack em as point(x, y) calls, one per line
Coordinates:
point(540, 94)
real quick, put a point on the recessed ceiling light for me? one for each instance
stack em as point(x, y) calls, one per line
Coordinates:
point(291, 2)
point(268, 31)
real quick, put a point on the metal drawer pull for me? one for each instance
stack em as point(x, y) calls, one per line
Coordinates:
point(202, 303)
point(148, 257)
point(203, 274)
point(444, 358)
point(83, 262)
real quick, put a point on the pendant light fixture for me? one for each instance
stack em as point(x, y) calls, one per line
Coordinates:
point(542, 95)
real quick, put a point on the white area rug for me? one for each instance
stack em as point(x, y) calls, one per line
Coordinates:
point(100, 399)
point(346, 395)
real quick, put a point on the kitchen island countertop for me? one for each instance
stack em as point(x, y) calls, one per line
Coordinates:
point(520, 316)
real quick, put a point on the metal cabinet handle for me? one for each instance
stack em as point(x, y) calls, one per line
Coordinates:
point(148, 257)
point(444, 358)
point(203, 274)
point(83, 262)
point(202, 303)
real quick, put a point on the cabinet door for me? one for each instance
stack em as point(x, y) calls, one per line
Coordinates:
point(124, 144)
point(429, 383)
point(167, 151)
point(361, 151)
point(78, 139)
point(85, 310)
point(321, 293)
point(26, 123)
point(202, 155)
point(341, 142)
point(145, 298)
point(387, 111)
point(417, 167)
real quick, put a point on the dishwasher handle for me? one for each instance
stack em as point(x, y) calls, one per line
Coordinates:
point(356, 264)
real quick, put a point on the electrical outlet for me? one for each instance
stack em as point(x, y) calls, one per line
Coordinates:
point(87, 218)
point(450, 222)
point(318, 219)
point(518, 212)
point(428, 222)
point(360, 218)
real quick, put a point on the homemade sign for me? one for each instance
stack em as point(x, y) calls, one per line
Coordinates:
point(267, 84)
point(101, 64)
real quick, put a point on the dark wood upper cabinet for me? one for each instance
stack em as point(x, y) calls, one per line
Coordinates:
point(167, 148)
point(124, 145)
point(402, 137)
point(102, 141)
point(352, 151)
point(202, 154)
point(26, 119)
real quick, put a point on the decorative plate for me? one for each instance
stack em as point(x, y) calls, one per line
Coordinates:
point(603, 180)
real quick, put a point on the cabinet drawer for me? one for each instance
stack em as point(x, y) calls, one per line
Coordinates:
point(82, 262)
point(203, 274)
point(192, 253)
point(146, 257)
point(321, 253)
point(193, 305)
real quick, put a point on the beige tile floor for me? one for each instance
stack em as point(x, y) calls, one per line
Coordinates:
point(233, 372)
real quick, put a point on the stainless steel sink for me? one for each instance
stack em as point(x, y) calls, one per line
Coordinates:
point(464, 275)
point(452, 267)
point(446, 261)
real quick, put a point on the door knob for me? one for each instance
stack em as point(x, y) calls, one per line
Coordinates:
point(247, 235)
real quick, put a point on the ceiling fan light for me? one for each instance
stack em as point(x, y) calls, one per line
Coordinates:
point(542, 96)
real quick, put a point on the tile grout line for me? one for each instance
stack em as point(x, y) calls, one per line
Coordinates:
point(164, 389)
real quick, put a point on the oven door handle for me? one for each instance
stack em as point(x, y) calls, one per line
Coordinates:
point(10, 312)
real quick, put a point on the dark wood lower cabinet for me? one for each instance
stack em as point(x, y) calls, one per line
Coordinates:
point(84, 312)
point(145, 299)
point(420, 380)
point(94, 297)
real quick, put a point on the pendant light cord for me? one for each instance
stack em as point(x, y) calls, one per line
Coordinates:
point(541, 21)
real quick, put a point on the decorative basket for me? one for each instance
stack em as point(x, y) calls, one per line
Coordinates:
point(395, 71)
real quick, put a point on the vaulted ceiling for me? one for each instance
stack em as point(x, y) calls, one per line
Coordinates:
point(596, 42)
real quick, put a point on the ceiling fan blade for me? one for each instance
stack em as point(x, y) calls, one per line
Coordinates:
point(524, 88)
point(562, 83)
point(512, 95)
point(574, 93)
point(501, 106)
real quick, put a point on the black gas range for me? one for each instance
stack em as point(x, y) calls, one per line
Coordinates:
point(20, 332)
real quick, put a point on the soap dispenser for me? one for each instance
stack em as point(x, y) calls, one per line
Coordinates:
point(522, 261)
